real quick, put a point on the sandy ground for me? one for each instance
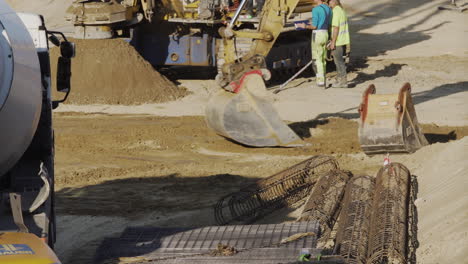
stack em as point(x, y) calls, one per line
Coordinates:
point(119, 170)
point(442, 202)
point(393, 42)
point(152, 164)
point(137, 172)
point(438, 82)
point(52, 10)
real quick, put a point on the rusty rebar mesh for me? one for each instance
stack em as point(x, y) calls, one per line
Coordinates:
point(388, 229)
point(413, 243)
point(353, 224)
point(323, 203)
point(279, 190)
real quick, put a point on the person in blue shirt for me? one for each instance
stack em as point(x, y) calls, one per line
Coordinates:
point(321, 20)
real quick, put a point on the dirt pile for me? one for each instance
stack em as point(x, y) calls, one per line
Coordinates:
point(112, 72)
point(442, 202)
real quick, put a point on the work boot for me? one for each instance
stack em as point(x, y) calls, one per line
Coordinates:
point(320, 80)
point(341, 82)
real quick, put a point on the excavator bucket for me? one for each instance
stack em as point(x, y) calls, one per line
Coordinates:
point(247, 117)
point(388, 122)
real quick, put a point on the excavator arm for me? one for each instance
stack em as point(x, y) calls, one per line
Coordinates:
point(274, 16)
point(242, 111)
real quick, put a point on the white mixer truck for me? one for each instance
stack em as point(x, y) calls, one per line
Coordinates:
point(27, 217)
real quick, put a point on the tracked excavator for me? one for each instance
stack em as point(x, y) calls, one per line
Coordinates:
point(27, 216)
point(246, 51)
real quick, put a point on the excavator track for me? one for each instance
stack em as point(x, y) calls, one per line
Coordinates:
point(279, 190)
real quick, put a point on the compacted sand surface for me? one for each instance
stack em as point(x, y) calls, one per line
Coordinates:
point(133, 148)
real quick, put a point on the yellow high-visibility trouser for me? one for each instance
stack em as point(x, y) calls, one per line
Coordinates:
point(319, 53)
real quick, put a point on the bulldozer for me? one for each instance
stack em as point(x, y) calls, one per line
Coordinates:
point(27, 215)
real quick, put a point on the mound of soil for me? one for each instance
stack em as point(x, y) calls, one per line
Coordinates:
point(442, 202)
point(112, 72)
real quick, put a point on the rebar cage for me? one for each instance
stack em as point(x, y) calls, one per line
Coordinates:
point(323, 203)
point(279, 190)
point(388, 228)
point(353, 230)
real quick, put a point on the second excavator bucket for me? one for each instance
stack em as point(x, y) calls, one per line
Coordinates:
point(247, 117)
point(388, 122)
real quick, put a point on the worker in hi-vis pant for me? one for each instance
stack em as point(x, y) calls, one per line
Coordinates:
point(339, 43)
point(321, 17)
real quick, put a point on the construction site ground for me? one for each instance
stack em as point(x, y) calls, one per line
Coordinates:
point(158, 163)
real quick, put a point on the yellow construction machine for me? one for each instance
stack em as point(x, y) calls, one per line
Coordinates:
point(27, 214)
point(219, 34)
point(247, 51)
point(244, 114)
point(388, 122)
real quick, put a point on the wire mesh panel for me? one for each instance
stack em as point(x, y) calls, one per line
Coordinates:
point(388, 230)
point(279, 190)
point(273, 243)
point(353, 225)
point(323, 203)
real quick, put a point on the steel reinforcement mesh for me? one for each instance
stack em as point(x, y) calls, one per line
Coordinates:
point(323, 203)
point(388, 228)
point(259, 244)
point(353, 224)
point(413, 243)
point(279, 190)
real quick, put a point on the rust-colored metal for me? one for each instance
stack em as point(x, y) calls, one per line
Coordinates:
point(413, 243)
point(353, 224)
point(388, 122)
point(388, 228)
point(323, 203)
point(365, 98)
point(284, 188)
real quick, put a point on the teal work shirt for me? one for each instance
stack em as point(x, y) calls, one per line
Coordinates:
point(321, 16)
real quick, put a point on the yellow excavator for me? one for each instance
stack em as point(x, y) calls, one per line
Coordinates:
point(27, 215)
point(244, 114)
point(219, 33)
